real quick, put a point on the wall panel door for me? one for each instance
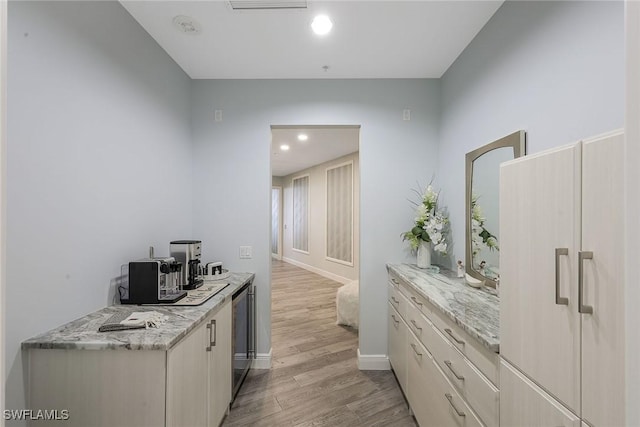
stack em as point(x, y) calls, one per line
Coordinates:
point(603, 278)
point(539, 228)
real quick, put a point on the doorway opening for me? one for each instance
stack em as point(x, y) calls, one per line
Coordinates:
point(315, 240)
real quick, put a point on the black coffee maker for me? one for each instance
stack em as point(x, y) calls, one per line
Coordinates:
point(189, 253)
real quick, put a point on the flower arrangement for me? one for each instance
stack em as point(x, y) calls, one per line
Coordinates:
point(430, 223)
point(479, 234)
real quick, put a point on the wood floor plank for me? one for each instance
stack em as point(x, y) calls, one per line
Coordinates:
point(314, 380)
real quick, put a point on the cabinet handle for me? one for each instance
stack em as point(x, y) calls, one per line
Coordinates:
point(413, 346)
point(395, 281)
point(394, 300)
point(413, 322)
point(416, 301)
point(209, 328)
point(560, 300)
point(397, 322)
point(448, 331)
point(585, 309)
point(450, 399)
point(448, 363)
point(215, 333)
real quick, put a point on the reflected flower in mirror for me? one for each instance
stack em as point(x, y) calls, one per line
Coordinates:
point(430, 224)
point(480, 236)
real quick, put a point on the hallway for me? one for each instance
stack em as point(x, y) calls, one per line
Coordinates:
point(314, 380)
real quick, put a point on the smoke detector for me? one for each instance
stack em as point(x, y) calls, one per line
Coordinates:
point(186, 24)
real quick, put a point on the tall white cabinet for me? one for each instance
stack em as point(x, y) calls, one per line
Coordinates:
point(562, 272)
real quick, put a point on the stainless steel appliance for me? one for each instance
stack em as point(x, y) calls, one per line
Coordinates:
point(154, 281)
point(244, 339)
point(189, 253)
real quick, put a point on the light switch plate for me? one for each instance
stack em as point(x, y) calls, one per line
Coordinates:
point(246, 252)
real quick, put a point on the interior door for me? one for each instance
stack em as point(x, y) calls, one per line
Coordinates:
point(540, 238)
point(603, 330)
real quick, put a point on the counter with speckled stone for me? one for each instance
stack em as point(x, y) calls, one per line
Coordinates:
point(476, 311)
point(82, 333)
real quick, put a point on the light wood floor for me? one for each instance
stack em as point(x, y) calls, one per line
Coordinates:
point(314, 380)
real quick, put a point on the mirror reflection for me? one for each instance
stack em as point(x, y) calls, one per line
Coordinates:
point(483, 174)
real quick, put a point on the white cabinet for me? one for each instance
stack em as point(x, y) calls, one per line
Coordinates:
point(397, 335)
point(525, 404)
point(561, 302)
point(434, 401)
point(199, 374)
point(219, 363)
point(437, 363)
point(183, 386)
point(187, 380)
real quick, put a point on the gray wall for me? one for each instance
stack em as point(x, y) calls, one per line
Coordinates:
point(99, 162)
point(232, 170)
point(554, 69)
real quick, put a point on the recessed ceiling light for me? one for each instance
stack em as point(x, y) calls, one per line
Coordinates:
point(302, 137)
point(284, 147)
point(321, 25)
point(186, 24)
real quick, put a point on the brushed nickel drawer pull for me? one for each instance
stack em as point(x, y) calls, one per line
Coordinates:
point(416, 301)
point(448, 331)
point(215, 332)
point(448, 363)
point(450, 399)
point(584, 309)
point(209, 328)
point(413, 346)
point(413, 322)
point(394, 300)
point(393, 316)
point(560, 300)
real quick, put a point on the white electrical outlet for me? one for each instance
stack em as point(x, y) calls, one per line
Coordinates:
point(218, 115)
point(246, 252)
point(406, 114)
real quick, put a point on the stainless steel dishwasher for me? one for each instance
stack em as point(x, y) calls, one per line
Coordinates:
point(244, 339)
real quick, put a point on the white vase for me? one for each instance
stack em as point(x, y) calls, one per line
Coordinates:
point(424, 255)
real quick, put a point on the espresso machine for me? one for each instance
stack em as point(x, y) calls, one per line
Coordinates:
point(153, 281)
point(189, 253)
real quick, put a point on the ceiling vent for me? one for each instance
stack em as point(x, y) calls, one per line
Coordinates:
point(267, 4)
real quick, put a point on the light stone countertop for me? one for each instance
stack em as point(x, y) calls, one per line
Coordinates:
point(477, 311)
point(82, 333)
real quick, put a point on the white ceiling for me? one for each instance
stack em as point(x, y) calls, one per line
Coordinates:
point(370, 38)
point(325, 143)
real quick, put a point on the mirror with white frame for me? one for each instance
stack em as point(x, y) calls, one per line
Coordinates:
point(482, 243)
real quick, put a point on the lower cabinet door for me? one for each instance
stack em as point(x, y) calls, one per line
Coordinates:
point(397, 331)
point(220, 369)
point(522, 403)
point(187, 381)
point(432, 398)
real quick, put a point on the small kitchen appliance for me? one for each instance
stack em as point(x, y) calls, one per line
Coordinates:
point(189, 253)
point(154, 281)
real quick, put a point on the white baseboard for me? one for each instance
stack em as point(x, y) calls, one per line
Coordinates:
point(262, 360)
point(317, 270)
point(373, 362)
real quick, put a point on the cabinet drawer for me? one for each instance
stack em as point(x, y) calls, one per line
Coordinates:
point(480, 394)
point(397, 331)
point(484, 359)
point(432, 398)
point(420, 325)
point(397, 300)
point(527, 405)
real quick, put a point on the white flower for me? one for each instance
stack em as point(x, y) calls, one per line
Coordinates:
point(441, 247)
